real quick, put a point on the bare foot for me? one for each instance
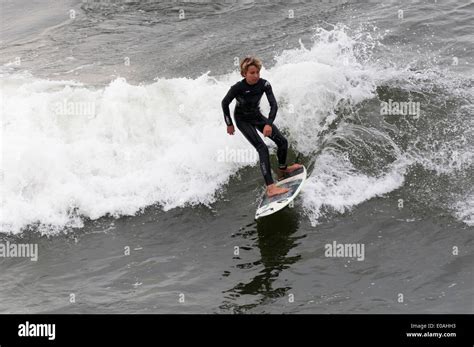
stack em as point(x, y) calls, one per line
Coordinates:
point(289, 168)
point(273, 190)
point(293, 167)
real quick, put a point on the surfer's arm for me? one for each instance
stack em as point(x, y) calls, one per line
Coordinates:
point(231, 94)
point(272, 101)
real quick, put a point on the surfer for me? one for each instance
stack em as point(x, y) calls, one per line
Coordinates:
point(248, 119)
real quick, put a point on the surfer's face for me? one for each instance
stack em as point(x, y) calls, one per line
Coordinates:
point(253, 75)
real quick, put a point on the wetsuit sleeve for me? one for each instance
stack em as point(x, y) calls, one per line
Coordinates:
point(231, 94)
point(272, 101)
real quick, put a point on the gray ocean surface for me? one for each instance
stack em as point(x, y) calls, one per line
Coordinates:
point(146, 205)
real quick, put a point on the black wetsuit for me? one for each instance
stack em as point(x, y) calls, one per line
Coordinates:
point(248, 118)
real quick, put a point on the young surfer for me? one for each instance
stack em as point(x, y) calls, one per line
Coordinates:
point(249, 119)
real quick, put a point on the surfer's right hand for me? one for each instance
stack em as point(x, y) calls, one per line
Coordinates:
point(230, 129)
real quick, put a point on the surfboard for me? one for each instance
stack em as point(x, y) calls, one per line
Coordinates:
point(293, 181)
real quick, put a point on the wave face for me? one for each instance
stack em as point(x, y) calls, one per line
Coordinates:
point(73, 151)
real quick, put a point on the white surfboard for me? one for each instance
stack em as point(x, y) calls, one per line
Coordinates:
point(293, 181)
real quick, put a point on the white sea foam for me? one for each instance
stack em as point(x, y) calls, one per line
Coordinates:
point(71, 151)
point(336, 185)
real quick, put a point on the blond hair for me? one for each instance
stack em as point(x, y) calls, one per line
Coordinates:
point(247, 62)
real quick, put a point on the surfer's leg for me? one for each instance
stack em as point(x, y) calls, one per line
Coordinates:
point(279, 140)
point(250, 133)
point(282, 144)
point(282, 150)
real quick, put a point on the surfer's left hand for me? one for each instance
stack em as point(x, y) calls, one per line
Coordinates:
point(267, 130)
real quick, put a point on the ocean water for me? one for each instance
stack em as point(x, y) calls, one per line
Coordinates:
point(116, 163)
